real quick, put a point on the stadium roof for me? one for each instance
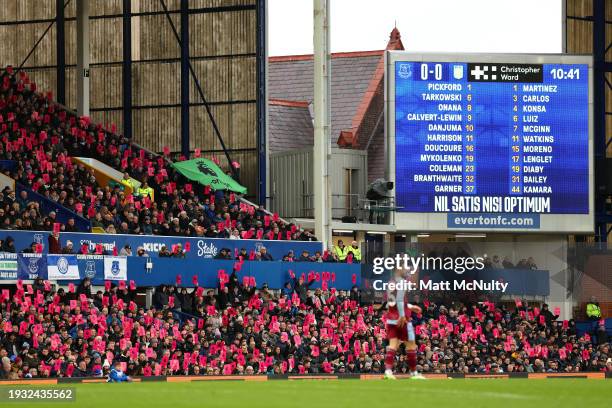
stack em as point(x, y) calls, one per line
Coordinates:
point(356, 79)
point(290, 125)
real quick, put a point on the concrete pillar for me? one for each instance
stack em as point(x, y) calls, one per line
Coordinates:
point(82, 77)
point(149, 297)
point(322, 126)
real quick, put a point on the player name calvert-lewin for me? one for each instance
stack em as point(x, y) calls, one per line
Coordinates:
point(445, 285)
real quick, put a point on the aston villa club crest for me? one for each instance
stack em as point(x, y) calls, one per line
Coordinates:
point(458, 71)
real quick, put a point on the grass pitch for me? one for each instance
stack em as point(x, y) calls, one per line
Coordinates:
point(457, 393)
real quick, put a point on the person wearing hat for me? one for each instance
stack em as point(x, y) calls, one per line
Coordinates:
point(126, 250)
point(69, 248)
point(354, 250)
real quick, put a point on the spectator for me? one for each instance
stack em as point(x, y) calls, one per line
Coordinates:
point(54, 244)
point(341, 251)
point(164, 253)
point(305, 257)
point(354, 251)
point(68, 249)
point(264, 255)
point(593, 311)
point(8, 245)
point(126, 250)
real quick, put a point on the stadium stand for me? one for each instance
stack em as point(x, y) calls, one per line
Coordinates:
point(39, 140)
point(242, 330)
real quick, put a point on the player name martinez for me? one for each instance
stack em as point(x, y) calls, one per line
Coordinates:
point(455, 285)
point(539, 88)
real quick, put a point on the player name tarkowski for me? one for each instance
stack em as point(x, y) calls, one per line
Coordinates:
point(441, 97)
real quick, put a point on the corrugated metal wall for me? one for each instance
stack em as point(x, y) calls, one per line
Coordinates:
point(579, 37)
point(580, 41)
point(292, 184)
point(222, 49)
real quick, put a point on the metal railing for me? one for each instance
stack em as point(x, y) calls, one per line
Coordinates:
point(354, 205)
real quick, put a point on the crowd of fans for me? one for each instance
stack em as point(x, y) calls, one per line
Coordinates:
point(238, 329)
point(41, 138)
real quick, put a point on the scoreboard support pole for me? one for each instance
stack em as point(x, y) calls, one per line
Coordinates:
point(82, 41)
point(601, 68)
point(322, 97)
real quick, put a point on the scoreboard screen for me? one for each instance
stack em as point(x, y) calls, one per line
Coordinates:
point(491, 143)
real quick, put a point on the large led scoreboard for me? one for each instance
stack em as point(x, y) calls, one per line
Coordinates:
point(490, 142)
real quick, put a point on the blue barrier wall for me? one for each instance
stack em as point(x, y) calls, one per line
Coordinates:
point(165, 271)
point(46, 206)
point(521, 282)
point(200, 247)
point(7, 164)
